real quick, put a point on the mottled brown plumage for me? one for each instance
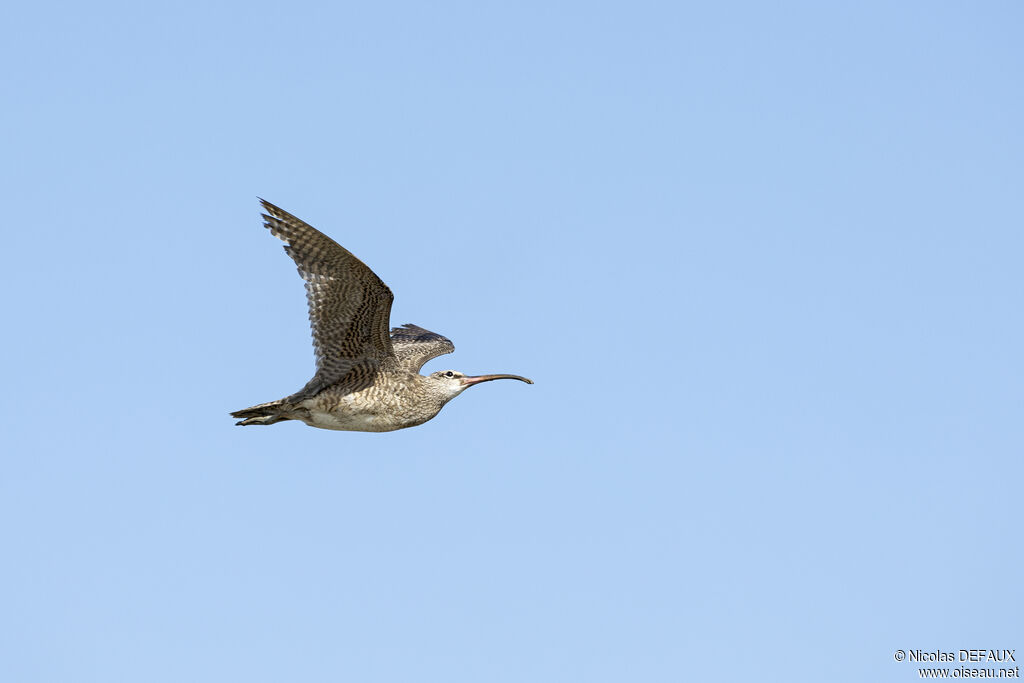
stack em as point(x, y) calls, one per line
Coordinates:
point(367, 377)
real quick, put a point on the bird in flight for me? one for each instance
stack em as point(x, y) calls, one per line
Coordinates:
point(367, 376)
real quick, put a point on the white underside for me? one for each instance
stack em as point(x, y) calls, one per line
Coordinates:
point(348, 422)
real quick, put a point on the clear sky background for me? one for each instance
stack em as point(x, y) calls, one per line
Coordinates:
point(763, 261)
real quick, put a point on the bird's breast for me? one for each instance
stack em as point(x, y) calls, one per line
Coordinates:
point(376, 409)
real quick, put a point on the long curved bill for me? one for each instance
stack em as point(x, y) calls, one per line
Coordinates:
point(470, 381)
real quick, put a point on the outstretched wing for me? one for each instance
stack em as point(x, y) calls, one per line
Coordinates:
point(349, 306)
point(414, 346)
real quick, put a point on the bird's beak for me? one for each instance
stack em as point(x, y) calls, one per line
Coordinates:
point(470, 381)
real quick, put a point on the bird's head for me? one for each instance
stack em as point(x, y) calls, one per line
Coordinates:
point(451, 383)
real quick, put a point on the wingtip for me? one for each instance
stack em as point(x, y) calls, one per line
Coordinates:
point(270, 208)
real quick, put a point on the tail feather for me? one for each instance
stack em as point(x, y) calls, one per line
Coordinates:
point(262, 414)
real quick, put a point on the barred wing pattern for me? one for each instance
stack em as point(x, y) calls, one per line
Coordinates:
point(349, 306)
point(414, 346)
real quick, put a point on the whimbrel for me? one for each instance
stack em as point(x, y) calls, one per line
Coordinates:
point(367, 379)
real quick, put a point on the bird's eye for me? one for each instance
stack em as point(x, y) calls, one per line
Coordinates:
point(449, 374)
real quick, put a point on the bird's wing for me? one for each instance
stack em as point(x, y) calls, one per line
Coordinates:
point(349, 306)
point(414, 346)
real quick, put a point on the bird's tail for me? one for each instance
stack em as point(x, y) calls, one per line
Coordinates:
point(262, 414)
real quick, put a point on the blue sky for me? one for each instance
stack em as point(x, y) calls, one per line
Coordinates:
point(762, 260)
